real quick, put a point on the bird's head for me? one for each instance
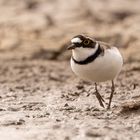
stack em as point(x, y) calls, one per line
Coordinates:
point(82, 46)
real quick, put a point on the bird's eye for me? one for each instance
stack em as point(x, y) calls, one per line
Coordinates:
point(86, 42)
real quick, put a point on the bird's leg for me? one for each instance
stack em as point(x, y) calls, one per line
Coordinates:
point(99, 97)
point(111, 95)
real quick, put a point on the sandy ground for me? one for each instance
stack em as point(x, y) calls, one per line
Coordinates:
point(40, 97)
point(40, 100)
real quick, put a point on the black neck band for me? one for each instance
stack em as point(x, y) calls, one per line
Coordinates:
point(90, 58)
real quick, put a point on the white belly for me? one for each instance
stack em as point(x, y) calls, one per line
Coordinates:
point(102, 68)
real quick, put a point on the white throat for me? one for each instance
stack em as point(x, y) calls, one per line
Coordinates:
point(81, 53)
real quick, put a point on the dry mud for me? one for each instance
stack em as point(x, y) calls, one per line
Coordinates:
point(40, 97)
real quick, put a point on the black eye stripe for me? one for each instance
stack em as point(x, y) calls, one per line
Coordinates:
point(90, 45)
point(78, 44)
point(86, 42)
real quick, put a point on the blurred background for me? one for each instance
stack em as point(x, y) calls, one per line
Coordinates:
point(29, 27)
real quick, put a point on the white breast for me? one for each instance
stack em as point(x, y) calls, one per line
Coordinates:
point(103, 68)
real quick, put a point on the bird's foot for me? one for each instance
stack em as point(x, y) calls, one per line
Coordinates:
point(108, 107)
point(100, 99)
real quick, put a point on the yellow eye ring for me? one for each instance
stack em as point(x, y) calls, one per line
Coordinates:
point(86, 42)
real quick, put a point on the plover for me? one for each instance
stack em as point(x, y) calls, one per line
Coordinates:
point(95, 61)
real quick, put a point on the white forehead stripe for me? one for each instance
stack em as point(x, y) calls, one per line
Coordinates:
point(76, 40)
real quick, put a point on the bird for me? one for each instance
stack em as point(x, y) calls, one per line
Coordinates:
point(95, 61)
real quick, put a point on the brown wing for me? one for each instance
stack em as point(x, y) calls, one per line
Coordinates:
point(104, 45)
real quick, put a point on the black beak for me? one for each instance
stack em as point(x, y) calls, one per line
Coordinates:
point(71, 46)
